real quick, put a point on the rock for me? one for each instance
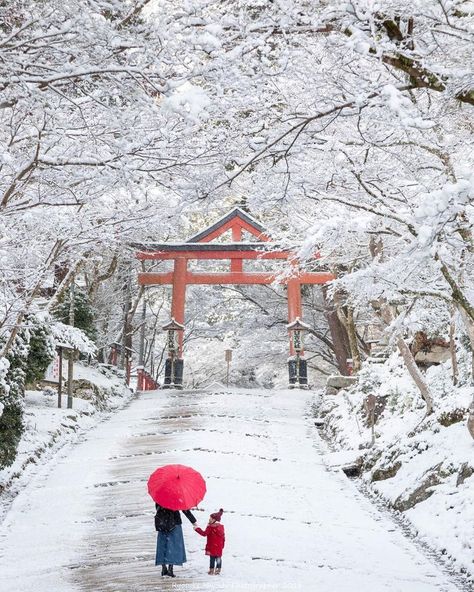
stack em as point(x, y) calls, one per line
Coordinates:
point(433, 477)
point(387, 473)
point(340, 382)
point(470, 420)
point(352, 470)
point(84, 389)
point(436, 355)
point(464, 473)
point(448, 418)
point(370, 459)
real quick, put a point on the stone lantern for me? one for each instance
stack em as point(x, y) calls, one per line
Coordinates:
point(297, 364)
point(173, 365)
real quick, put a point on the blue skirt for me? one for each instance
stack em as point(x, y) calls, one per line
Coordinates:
point(170, 547)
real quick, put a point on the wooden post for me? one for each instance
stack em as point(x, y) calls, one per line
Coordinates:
point(126, 331)
point(60, 384)
point(70, 375)
point(228, 359)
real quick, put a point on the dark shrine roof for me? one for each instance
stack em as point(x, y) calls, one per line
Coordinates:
point(194, 244)
point(235, 213)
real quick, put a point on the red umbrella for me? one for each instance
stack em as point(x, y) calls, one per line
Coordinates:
point(176, 487)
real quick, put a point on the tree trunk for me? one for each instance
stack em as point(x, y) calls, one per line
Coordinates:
point(387, 316)
point(127, 325)
point(339, 336)
point(64, 285)
point(353, 342)
point(415, 374)
point(452, 349)
point(462, 304)
point(346, 317)
point(458, 295)
point(469, 325)
point(98, 277)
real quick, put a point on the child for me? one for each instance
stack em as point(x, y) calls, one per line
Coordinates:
point(215, 541)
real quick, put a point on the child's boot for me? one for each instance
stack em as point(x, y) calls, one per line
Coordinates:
point(218, 571)
point(211, 571)
point(170, 571)
point(164, 570)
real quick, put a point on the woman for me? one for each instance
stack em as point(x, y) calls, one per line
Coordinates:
point(170, 543)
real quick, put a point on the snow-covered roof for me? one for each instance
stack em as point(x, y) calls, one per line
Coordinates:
point(298, 324)
point(234, 213)
point(72, 337)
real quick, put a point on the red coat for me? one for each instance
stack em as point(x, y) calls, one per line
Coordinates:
point(215, 534)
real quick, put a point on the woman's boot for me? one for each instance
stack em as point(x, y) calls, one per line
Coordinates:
point(164, 570)
point(170, 571)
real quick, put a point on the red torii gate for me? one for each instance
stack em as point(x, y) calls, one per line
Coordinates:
point(200, 247)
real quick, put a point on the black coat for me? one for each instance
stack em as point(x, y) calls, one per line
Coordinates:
point(166, 520)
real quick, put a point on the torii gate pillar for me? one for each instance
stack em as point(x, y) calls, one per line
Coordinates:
point(297, 366)
point(174, 365)
point(179, 297)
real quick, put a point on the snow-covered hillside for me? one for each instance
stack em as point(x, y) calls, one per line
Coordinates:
point(422, 466)
point(48, 428)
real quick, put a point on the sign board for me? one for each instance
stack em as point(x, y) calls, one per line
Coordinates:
point(297, 341)
point(228, 355)
point(52, 371)
point(172, 341)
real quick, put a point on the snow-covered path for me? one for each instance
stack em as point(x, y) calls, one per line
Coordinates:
point(85, 522)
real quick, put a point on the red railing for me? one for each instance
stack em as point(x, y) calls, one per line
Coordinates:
point(145, 381)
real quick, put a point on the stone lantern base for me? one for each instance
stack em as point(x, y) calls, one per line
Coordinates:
point(298, 373)
point(173, 374)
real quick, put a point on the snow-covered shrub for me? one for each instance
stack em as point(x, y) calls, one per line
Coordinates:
point(12, 389)
point(32, 351)
point(369, 380)
point(41, 350)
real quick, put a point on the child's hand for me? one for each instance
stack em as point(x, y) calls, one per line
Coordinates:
point(195, 526)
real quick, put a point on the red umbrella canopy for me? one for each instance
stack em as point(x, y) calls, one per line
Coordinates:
point(176, 487)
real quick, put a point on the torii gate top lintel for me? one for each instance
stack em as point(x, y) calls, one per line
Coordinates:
point(200, 247)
